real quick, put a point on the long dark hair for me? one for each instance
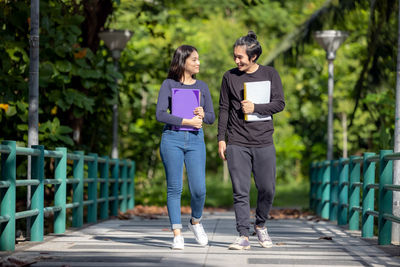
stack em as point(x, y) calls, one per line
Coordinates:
point(253, 47)
point(177, 67)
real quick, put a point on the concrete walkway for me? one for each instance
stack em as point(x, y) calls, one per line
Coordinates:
point(146, 242)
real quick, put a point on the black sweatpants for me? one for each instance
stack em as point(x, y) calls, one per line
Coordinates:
point(242, 161)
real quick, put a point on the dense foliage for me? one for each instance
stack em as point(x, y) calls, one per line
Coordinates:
point(77, 78)
point(76, 83)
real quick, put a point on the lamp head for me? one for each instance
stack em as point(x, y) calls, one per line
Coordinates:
point(330, 41)
point(115, 40)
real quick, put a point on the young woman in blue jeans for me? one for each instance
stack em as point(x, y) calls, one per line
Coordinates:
point(187, 147)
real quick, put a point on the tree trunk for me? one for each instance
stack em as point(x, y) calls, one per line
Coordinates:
point(96, 13)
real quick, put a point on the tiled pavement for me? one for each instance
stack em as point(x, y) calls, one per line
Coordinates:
point(146, 242)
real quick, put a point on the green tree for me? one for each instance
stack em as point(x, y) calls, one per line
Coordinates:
point(76, 81)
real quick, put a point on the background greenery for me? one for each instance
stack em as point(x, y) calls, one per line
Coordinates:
point(77, 78)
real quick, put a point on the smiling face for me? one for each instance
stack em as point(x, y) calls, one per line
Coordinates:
point(242, 59)
point(192, 64)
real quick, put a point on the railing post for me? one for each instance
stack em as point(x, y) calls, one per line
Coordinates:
point(104, 174)
point(7, 197)
point(343, 191)
point(367, 229)
point(318, 206)
point(60, 197)
point(354, 199)
point(77, 212)
point(92, 188)
point(124, 188)
point(385, 198)
point(131, 202)
point(115, 175)
point(37, 172)
point(333, 210)
point(326, 188)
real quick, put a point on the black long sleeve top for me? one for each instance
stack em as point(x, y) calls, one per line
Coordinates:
point(231, 123)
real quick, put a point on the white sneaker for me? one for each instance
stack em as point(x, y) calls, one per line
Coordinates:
point(178, 242)
point(240, 243)
point(263, 237)
point(198, 231)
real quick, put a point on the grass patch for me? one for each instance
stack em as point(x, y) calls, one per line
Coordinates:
point(293, 195)
point(219, 193)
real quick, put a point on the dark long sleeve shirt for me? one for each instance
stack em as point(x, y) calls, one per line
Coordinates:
point(231, 123)
point(163, 111)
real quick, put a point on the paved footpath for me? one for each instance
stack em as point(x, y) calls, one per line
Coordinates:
point(146, 242)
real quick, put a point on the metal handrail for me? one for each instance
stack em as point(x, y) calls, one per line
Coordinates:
point(338, 184)
point(116, 192)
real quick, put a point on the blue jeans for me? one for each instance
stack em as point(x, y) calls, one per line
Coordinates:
point(177, 148)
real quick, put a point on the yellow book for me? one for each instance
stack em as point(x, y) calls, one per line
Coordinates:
point(258, 93)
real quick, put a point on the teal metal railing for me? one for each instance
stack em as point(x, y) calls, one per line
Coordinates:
point(336, 187)
point(109, 182)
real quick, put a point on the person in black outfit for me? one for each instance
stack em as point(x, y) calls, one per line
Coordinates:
point(248, 146)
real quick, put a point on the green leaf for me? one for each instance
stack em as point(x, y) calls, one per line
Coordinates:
point(45, 126)
point(64, 129)
point(46, 70)
point(89, 73)
point(65, 78)
point(88, 84)
point(62, 50)
point(78, 113)
point(74, 29)
point(74, 19)
point(11, 111)
point(100, 64)
point(66, 139)
point(23, 106)
point(22, 127)
point(63, 65)
point(82, 63)
point(74, 97)
point(16, 53)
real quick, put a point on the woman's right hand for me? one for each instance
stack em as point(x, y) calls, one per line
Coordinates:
point(197, 122)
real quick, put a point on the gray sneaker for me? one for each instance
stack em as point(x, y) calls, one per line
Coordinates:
point(263, 237)
point(240, 243)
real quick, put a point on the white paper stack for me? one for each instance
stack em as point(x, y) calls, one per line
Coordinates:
point(258, 93)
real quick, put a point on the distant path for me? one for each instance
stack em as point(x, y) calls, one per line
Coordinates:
point(145, 242)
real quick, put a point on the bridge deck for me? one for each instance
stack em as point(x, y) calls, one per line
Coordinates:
point(145, 242)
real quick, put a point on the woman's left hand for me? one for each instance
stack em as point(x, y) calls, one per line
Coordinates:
point(199, 111)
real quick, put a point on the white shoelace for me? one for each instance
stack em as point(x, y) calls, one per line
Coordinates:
point(264, 234)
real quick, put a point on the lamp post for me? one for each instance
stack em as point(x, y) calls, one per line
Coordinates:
point(115, 40)
point(396, 163)
point(33, 112)
point(330, 40)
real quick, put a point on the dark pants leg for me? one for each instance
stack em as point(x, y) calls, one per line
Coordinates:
point(239, 165)
point(242, 161)
point(264, 171)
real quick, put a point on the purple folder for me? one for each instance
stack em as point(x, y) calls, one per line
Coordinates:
point(184, 102)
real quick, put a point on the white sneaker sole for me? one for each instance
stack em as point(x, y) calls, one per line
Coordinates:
point(266, 245)
point(239, 248)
